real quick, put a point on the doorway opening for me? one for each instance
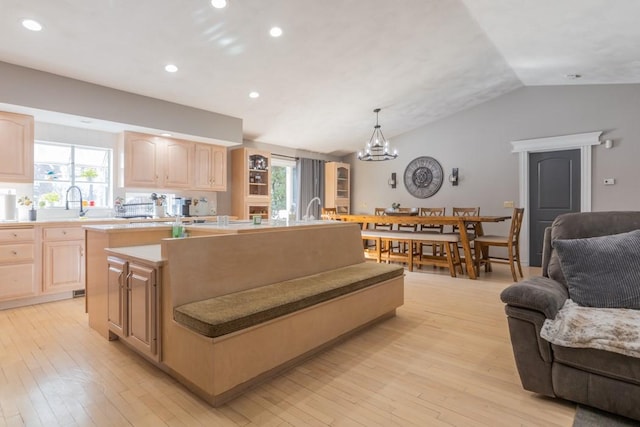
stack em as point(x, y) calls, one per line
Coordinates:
point(283, 188)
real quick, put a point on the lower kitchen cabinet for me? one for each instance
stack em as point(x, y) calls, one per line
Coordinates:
point(132, 303)
point(63, 259)
point(17, 263)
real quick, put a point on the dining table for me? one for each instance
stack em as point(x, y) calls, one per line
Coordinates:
point(462, 222)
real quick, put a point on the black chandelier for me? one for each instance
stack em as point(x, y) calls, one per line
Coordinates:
point(377, 148)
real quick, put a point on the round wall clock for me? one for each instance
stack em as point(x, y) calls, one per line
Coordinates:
point(423, 177)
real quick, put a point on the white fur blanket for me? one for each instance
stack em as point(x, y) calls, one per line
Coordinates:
point(611, 329)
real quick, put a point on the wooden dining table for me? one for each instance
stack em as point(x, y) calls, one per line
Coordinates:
point(460, 221)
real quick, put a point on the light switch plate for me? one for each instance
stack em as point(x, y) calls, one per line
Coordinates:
point(609, 181)
point(508, 204)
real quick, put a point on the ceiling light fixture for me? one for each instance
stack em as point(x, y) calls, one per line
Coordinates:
point(254, 95)
point(377, 148)
point(171, 68)
point(31, 24)
point(275, 32)
point(219, 4)
point(165, 134)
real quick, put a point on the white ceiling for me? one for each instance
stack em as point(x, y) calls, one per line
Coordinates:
point(418, 60)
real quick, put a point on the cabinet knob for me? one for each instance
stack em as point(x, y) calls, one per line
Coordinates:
point(14, 234)
point(64, 232)
point(14, 252)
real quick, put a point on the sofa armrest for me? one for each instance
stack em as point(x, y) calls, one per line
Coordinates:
point(537, 293)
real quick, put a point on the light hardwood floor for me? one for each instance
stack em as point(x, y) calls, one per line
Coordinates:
point(444, 360)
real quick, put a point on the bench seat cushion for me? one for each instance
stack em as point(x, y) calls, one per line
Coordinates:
point(224, 314)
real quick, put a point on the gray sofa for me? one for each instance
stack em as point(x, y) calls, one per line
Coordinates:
point(598, 378)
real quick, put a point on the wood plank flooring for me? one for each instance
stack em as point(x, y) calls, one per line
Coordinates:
point(444, 360)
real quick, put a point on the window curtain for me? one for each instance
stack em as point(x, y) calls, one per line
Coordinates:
point(310, 185)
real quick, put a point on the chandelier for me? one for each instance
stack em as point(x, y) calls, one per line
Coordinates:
point(377, 148)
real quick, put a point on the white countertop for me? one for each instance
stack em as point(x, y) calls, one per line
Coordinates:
point(148, 254)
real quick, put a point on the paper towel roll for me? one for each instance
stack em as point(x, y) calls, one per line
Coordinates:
point(7, 207)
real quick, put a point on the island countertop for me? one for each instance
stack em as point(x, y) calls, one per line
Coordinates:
point(149, 254)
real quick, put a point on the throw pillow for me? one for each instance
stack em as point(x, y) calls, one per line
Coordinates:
point(602, 271)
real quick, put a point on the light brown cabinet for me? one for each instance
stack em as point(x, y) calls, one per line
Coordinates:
point(17, 263)
point(251, 184)
point(210, 168)
point(337, 188)
point(16, 146)
point(132, 303)
point(63, 259)
point(156, 162)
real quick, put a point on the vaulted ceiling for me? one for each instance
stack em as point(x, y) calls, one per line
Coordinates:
point(418, 60)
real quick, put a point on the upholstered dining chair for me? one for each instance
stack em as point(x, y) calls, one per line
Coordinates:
point(465, 212)
point(471, 228)
point(511, 242)
point(435, 247)
point(328, 213)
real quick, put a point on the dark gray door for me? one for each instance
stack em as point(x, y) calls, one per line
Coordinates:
point(554, 189)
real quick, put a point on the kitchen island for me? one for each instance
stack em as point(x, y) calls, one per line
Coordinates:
point(224, 311)
point(99, 237)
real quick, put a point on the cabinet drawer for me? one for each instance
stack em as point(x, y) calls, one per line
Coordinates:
point(17, 281)
point(64, 233)
point(16, 253)
point(16, 235)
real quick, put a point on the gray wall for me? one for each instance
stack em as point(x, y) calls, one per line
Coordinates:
point(45, 91)
point(477, 141)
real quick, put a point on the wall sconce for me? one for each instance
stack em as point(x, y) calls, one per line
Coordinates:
point(392, 180)
point(453, 178)
point(608, 143)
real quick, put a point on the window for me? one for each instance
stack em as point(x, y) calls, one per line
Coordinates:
point(283, 187)
point(59, 166)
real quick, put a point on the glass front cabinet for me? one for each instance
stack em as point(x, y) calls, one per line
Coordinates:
point(338, 187)
point(251, 178)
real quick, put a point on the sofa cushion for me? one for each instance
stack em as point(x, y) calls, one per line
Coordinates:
point(224, 314)
point(602, 271)
point(587, 224)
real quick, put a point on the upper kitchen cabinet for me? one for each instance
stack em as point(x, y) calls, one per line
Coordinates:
point(16, 145)
point(155, 162)
point(210, 168)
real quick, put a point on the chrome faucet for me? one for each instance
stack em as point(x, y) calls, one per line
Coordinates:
point(308, 217)
point(82, 211)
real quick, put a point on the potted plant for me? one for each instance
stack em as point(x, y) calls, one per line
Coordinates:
point(50, 198)
point(89, 174)
point(25, 205)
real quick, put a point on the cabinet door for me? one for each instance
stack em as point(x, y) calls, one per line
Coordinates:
point(18, 281)
point(116, 295)
point(210, 168)
point(63, 266)
point(177, 164)
point(16, 146)
point(142, 160)
point(141, 286)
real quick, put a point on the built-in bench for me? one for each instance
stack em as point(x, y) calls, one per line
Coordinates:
point(413, 241)
point(239, 308)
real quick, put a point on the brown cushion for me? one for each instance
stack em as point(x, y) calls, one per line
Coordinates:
point(221, 315)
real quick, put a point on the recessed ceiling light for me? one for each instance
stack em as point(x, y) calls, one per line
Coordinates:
point(165, 134)
point(219, 4)
point(254, 94)
point(275, 32)
point(170, 68)
point(85, 121)
point(32, 25)
point(573, 76)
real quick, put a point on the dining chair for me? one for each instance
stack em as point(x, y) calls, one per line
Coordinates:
point(405, 227)
point(511, 242)
point(328, 213)
point(435, 247)
point(465, 212)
